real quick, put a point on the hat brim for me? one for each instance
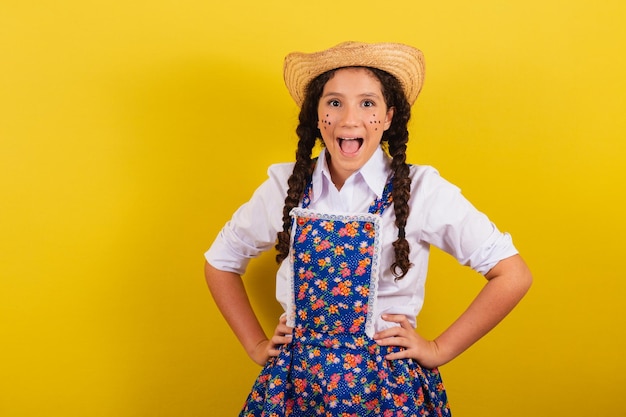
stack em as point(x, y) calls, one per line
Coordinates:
point(402, 61)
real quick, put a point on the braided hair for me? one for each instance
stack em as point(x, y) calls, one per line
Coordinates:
point(395, 138)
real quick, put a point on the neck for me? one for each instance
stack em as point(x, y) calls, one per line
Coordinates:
point(338, 178)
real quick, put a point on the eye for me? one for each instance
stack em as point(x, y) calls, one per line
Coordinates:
point(334, 103)
point(368, 103)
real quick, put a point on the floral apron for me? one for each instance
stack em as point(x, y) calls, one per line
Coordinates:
point(332, 367)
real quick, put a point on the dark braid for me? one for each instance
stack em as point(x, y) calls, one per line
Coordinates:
point(397, 137)
point(308, 133)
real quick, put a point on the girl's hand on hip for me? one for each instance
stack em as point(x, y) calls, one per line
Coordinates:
point(268, 348)
point(425, 352)
point(282, 336)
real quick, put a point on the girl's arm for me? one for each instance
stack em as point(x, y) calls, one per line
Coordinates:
point(507, 283)
point(232, 300)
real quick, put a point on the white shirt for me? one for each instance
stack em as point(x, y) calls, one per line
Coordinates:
point(439, 216)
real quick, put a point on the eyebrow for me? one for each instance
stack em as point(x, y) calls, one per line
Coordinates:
point(364, 95)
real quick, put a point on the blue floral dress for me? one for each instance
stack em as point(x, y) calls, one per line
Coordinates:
point(332, 367)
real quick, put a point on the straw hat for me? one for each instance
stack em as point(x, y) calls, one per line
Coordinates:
point(402, 61)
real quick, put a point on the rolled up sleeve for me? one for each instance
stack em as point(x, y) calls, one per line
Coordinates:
point(253, 227)
point(454, 225)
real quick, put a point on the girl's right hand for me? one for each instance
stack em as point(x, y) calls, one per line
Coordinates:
point(268, 348)
point(282, 336)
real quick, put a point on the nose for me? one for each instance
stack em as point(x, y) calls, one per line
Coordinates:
point(349, 116)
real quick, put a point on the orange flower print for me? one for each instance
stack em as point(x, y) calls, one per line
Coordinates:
point(317, 388)
point(363, 290)
point(300, 384)
point(321, 284)
point(298, 332)
point(351, 361)
point(323, 245)
point(339, 251)
point(315, 369)
point(305, 232)
point(362, 268)
point(302, 314)
point(333, 309)
point(305, 257)
point(338, 328)
point(350, 229)
point(363, 247)
point(350, 379)
point(343, 288)
point(372, 405)
point(323, 262)
point(334, 382)
point(289, 406)
point(276, 382)
point(331, 400)
point(278, 398)
point(360, 341)
point(370, 387)
point(400, 399)
point(356, 324)
point(317, 304)
point(302, 290)
point(305, 274)
point(420, 396)
point(356, 398)
point(328, 225)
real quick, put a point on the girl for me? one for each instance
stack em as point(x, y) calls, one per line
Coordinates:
point(353, 229)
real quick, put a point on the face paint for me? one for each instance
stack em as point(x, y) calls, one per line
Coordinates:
point(375, 121)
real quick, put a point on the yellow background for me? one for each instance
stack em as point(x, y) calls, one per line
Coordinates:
point(131, 130)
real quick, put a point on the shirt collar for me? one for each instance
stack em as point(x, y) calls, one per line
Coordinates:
point(374, 173)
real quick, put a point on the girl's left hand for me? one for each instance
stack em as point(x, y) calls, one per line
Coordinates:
point(425, 352)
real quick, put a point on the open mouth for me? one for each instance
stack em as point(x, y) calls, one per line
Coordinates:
point(350, 145)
